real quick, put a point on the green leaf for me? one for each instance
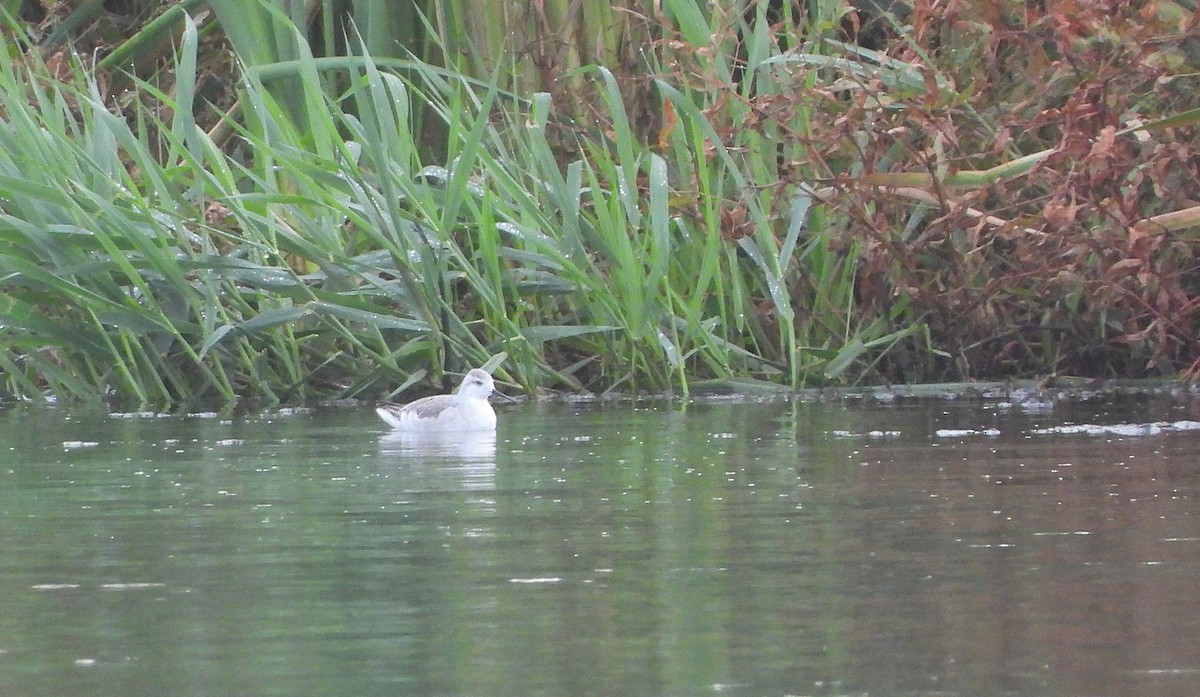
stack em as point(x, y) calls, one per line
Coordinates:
point(537, 335)
point(845, 358)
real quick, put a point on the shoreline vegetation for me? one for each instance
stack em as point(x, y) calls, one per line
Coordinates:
point(205, 204)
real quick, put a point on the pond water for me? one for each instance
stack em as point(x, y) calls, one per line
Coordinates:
point(922, 547)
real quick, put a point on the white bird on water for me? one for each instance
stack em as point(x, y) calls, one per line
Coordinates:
point(467, 410)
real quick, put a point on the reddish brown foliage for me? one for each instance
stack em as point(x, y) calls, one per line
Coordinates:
point(1057, 281)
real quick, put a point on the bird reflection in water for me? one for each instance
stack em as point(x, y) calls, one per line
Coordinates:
point(467, 458)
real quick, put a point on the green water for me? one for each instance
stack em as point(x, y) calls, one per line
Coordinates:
point(741, 549)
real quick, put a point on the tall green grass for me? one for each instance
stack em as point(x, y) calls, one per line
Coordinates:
point(329, 257)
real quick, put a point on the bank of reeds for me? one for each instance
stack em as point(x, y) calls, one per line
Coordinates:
point(766, 229)
point(144, 264)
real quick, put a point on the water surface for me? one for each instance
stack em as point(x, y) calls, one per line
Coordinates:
point(909, 548)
